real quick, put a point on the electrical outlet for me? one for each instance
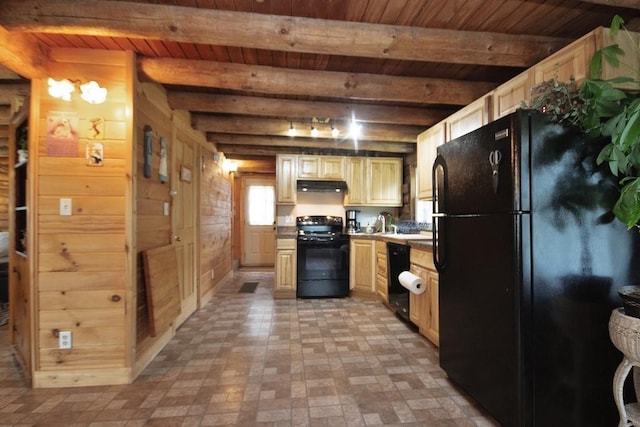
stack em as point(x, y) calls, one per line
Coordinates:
point(64, 340)
point(65, 207)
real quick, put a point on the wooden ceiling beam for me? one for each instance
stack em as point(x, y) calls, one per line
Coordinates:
point(631, 4)
point(23, 54)
point(280, 127)
point(249, 142)
point(297, 109)
point(275, 32)
point(248, 152)
point(284, 81)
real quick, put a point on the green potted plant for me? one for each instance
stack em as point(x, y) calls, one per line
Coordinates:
point(601, 109)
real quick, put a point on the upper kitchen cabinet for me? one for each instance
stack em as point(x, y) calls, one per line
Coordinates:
point(428, 142)
point(286, 166)
point(469, 118)
point(508, 97)
point(355, 175)
point(571, 61)
point(384, 181)
point(321, 167)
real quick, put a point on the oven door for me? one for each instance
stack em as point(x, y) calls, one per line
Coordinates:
point(323, 268)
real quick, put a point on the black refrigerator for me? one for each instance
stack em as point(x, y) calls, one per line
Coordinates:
point(530, 259)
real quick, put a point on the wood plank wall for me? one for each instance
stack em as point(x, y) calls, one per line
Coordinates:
point(215, 225)
point(82, 260)
point(153, 228)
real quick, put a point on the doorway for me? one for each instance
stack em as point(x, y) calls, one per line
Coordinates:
point(258, 222)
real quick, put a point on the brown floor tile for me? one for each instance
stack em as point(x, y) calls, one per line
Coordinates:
point(249, 360)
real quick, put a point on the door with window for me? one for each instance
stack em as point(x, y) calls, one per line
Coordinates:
point(259, 221)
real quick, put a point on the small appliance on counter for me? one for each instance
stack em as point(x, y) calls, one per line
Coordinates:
point(352, 224)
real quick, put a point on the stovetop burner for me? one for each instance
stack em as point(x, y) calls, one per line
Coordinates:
point(319, 227)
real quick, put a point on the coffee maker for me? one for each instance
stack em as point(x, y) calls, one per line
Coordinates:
point(351, 224)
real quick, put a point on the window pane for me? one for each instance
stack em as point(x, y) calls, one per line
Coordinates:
point(261, 205)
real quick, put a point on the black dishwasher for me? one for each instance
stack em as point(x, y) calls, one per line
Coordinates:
point(397, 262)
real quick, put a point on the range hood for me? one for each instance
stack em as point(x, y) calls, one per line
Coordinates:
point(321, 186)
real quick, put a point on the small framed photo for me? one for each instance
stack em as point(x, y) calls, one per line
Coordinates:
point(185, 174)
point(94, 154)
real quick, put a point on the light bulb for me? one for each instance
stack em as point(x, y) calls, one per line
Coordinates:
point(334, 132)
point(314, 131)
point(292, 130)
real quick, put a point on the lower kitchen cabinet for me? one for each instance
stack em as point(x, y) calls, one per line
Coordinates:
point(362, 272)
point(285, 274)
point(382, 285)
point(424, 309)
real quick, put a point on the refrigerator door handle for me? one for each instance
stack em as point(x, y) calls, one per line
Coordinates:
point(439, 200)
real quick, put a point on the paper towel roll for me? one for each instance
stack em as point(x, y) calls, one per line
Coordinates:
point(412, 282)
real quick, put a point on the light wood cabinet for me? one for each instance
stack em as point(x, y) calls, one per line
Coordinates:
point(382, 286)
point(470, 118)
point(286, 166)
point(572, 61)
point(362, 272)
point(285, 271)
point(424, 308)
point(355, 176)
point(508, 97)
point(321, 167)
point(428, 143)
point(384, 181)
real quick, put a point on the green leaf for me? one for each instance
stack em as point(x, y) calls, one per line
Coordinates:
point(627, 208)
point(611, 53)
point(631, 131)
point(616, 23)
point(595, 66)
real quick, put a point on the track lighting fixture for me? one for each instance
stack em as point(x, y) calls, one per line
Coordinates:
point(292, 130)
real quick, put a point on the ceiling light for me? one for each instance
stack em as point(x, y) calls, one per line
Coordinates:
point(355, 130)
point(314, 131)
point(334, 132)
point(292, 130)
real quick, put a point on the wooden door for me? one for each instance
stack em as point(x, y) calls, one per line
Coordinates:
point(258, 221)
point(184, 224)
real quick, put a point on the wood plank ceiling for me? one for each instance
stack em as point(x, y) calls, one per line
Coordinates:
point(248, 70)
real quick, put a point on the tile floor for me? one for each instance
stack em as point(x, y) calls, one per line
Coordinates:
point(249, 360)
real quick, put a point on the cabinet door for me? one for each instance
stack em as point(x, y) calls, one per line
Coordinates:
point(285, 270)
point(432, 322)
point(355, 176)
point(470, 118)
point(384, 181)
point(286, 180)
point(309, 167)
point(572, 60)
point(332, 167)
point(381, 271)
point(418, 311)
point(428, 143)
point(362, 271)
point(509, 96)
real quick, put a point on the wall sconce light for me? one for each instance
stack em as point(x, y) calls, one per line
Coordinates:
point(90, 92)
point(292, 130)
point(314, 131)
point(229, 165)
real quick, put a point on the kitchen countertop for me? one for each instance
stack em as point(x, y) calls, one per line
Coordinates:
point(417, 240)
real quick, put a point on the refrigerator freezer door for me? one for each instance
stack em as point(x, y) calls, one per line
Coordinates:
point(480, 172)
point(480, 318)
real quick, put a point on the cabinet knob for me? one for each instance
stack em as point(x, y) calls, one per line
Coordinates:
point(177, 238)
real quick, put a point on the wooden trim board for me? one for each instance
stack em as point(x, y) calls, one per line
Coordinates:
point(162, 286)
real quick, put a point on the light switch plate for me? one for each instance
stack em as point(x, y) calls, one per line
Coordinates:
point(65, 207)
point(166, 208)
